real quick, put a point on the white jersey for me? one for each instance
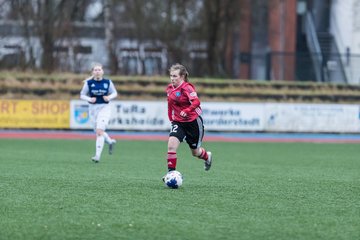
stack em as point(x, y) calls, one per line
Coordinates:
point(100, 111)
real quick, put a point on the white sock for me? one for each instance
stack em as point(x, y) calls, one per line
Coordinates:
point(99, 145)
point(108, 140)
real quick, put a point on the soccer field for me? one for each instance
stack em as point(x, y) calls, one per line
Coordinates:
point(51, 190)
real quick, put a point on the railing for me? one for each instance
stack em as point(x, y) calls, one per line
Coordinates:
point(305, 70)
point(314, 46)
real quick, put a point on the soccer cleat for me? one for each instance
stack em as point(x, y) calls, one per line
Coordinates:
point(95, 159)
point(208, 162)
point(111, 146)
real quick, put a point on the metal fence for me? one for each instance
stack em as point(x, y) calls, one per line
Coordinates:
point(302, 66)
point(299, 66)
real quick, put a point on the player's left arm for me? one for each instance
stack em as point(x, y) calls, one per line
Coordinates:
point(113, 93)
point(194, 100)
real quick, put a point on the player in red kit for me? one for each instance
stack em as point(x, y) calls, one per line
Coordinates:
point(184, 114)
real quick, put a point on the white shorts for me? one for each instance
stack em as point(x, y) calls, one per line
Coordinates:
point(100, 115)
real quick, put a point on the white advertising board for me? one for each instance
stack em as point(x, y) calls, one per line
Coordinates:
point(152, 115)
point(312, 117)
point(126, 115)
point(223, 116)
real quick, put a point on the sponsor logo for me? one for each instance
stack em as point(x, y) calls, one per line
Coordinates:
point(193, 94)
point(81, 114)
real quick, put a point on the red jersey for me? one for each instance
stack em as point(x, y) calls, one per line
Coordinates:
point(180, 99)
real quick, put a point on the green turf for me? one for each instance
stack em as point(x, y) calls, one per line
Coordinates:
point(49, 189)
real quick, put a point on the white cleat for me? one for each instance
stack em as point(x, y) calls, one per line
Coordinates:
point(95, 159)
point(111, 146)
point(208, 162)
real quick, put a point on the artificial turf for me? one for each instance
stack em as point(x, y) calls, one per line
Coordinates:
point(49, 189)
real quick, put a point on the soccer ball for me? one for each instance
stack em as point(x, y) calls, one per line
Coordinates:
point(173, 179)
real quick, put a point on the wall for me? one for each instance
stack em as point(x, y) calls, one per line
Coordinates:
point(345, 27)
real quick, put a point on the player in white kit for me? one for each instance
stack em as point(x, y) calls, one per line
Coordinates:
point(98, 92)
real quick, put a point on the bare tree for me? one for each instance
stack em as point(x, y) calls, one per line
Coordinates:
point(220, 20)
point(51, 21)
point(212, 17)
point(109, 37)
point(20, 10)
point(180, 26)
point(53, 24)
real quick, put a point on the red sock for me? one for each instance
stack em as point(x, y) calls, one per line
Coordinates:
point(203, 154)
point(171, 160)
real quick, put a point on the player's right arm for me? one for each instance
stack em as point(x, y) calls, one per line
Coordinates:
point(170, 112)
point(170, 109)
point(84, 94)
